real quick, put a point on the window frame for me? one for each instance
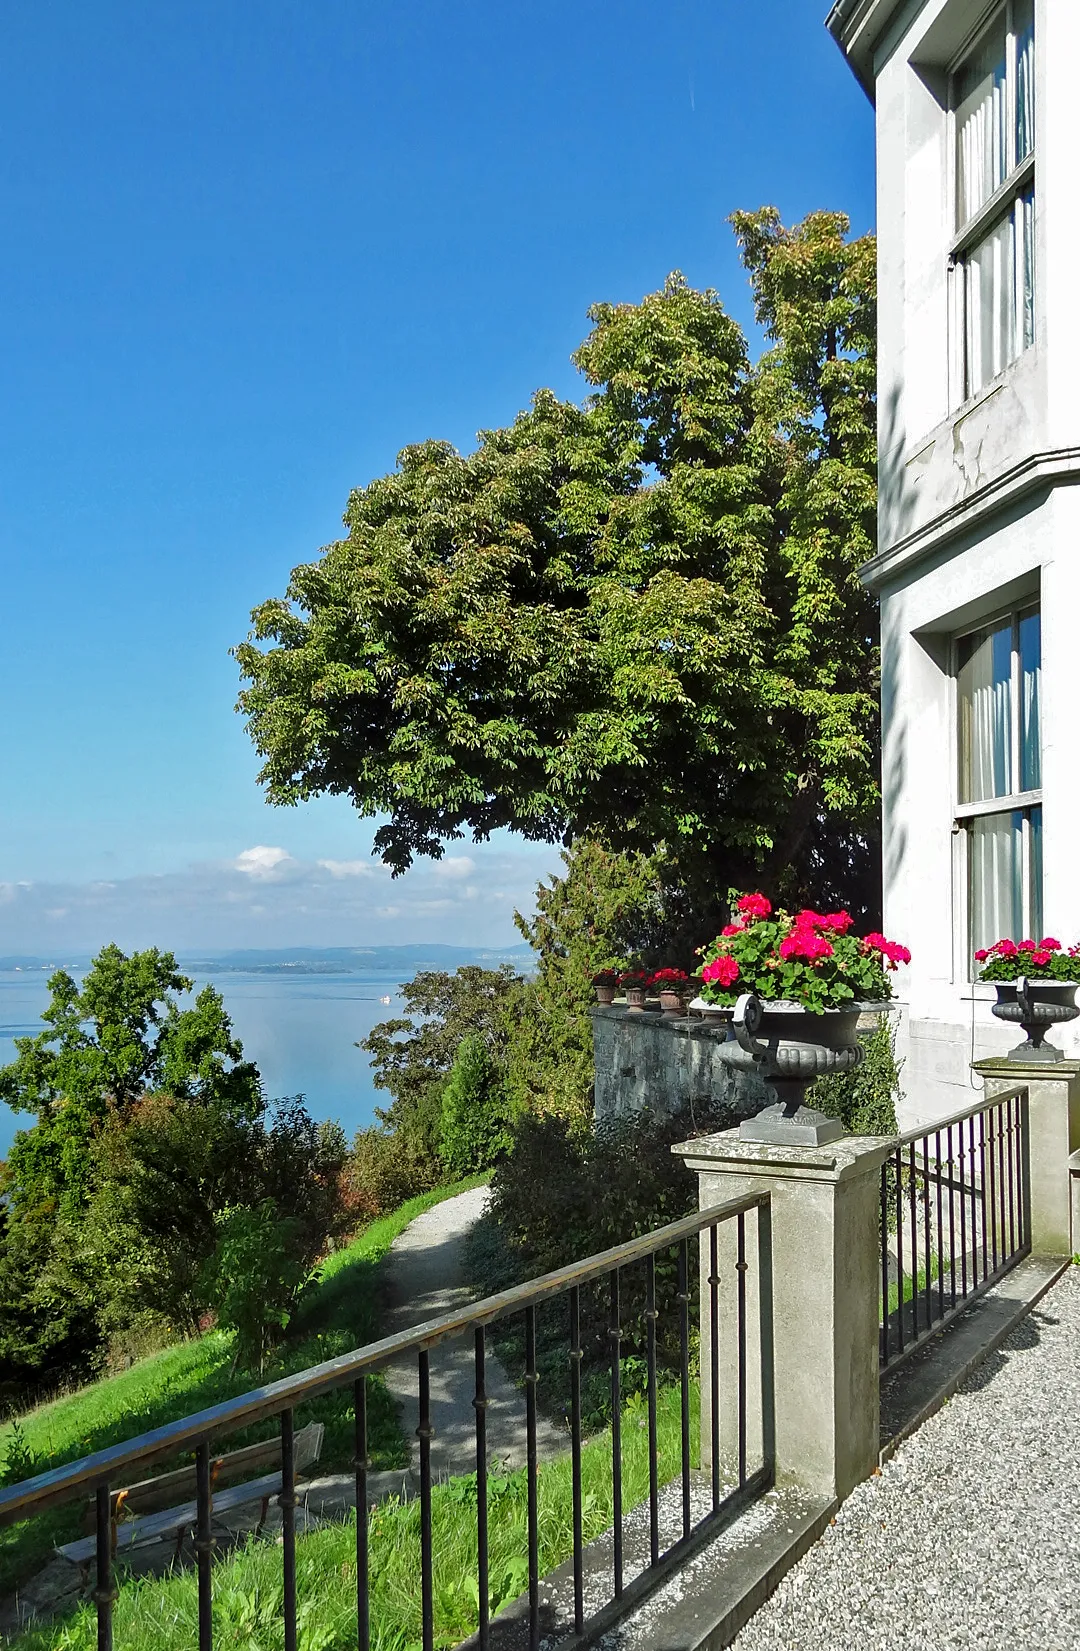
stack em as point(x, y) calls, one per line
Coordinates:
point(1019, 802)
point(1006, 202)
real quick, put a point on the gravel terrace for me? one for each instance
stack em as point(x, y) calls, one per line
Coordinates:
point(970, 1536)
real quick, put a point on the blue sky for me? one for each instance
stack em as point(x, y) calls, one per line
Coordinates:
point(249, 253)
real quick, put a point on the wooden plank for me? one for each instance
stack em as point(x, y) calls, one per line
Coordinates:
point(150, 1527)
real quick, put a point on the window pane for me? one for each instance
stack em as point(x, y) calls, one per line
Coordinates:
point(981, 124)
point(1025, 208)
point(1024, 25)
point(1030, 691)
point(1035, 874)
point(995, 861)
point(984, 693)
point(989, 306)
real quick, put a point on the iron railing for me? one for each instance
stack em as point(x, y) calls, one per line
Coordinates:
point(722, 1498)
point(955, 1216)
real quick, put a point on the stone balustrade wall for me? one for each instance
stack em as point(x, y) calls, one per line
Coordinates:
point(645, 1063)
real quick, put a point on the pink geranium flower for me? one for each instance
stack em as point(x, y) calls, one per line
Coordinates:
point(724, 971)
point(805, 944)
point(753, 905)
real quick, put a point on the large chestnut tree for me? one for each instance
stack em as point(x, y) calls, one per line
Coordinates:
point(637, 618)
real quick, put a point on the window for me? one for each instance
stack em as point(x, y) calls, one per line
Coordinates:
point(993, 254)
point(999, 808)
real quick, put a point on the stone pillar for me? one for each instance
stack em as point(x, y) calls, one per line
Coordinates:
point(816, 1255)
point(1074, 1200)
point(1053, 1133)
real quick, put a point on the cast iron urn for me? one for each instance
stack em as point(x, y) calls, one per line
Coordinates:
point(1035, 1006)
point(789, 1047)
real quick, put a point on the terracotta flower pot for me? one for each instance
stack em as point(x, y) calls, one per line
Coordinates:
point(1035, 1006)
point(671, 1003)
point(635, 999)
point(605, 994)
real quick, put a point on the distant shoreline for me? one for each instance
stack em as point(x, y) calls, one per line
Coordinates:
point(311, 960)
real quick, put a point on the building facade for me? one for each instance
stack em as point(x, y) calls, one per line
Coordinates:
point(978, 562)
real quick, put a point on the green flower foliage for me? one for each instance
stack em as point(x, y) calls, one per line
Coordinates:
point(638, 618)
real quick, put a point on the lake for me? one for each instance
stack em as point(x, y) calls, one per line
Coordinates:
point(298, 1028)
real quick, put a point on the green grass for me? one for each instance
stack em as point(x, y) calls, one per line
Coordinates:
point(927, 1275)
point(339, 1313)
point(161, 1614)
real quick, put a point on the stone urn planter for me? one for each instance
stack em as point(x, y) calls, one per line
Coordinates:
point(635, 999)
point(1035, 1006)
point(605, 994)
point(671, 1005)
point(789, 1046)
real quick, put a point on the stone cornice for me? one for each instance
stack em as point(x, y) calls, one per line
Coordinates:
point(1057, 468)
point(857, 26)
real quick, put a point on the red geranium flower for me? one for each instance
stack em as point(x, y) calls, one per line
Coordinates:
point(753, 905)
point(731, 928)
point(1050, 945)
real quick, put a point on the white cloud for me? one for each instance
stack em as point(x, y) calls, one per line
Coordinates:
point(263, 861)
point(266, 897)
point(348, 868)
point(454, 869)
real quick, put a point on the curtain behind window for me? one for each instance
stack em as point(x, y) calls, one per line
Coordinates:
point(984, 691)
point(1030, 691)
point(1024, 24)
point(1027, 268)
point(982, 148)
point(990, 309)
point(995, 859)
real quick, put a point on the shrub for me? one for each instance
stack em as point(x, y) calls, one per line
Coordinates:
point(475, 1124)
point(564, 1193)
point(864, 1100)
point(413, 1057)
point(255, 1277)
point(387, 1167)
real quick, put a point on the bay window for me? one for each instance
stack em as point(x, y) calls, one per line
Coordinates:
point(993, 253)
point(999, 790)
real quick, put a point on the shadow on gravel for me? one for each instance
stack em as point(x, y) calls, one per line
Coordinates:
point(1023, 1339)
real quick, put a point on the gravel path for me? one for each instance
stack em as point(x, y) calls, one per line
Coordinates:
point(424, 1275)
point(970, 1536)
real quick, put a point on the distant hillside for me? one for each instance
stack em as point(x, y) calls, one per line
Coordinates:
point(382, 960)
point(403, 961)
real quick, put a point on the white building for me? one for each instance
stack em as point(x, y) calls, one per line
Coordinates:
point(978, 563)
